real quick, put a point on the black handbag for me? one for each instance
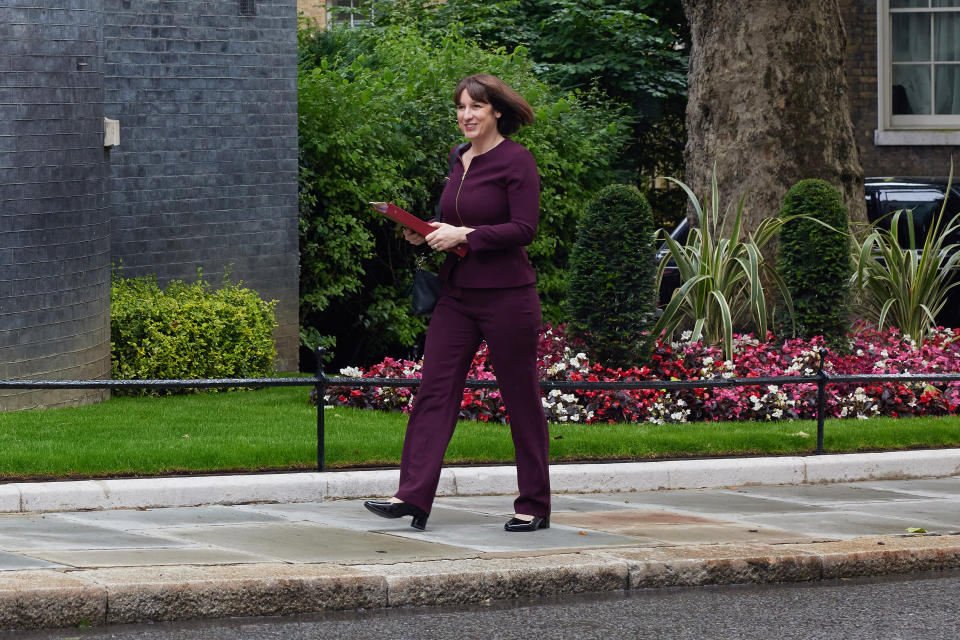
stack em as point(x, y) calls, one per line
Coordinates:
point(425, 293)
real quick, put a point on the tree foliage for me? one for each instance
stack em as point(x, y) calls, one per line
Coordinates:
point(630, 48)
point(634, 51)
point(612, 269)
point(376, 122)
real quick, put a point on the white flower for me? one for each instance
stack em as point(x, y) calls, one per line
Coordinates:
point(708, 360)
point(351, 372)
point(686, 335)
point(569, 397)
point(677, 415)
point(575, 417)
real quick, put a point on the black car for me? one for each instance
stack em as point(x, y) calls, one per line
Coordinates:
point(884, 196)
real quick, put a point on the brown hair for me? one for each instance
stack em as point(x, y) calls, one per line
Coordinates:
point(514, 110)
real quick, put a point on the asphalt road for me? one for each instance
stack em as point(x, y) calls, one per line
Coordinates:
point(923, 606)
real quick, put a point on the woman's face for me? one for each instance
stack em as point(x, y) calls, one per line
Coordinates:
point(477, 120)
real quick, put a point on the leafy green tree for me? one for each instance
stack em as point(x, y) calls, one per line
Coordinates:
point(376, 123)
point(634, 51)
point(612, 271)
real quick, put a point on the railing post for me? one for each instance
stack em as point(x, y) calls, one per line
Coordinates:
point(821, 400)
point(321, 389)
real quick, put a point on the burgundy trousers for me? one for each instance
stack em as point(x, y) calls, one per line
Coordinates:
point(509, 320)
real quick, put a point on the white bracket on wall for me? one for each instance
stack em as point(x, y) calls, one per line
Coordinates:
point(111, 132)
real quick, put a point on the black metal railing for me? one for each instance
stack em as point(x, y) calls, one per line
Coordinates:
point(321, 382)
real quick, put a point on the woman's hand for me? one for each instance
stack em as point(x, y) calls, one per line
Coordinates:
point(446, 236)
point(413, 237)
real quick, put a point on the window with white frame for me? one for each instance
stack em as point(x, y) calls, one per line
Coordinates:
point(919, 65)
point(351, 12)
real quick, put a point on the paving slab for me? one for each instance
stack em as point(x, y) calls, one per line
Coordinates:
point(665, 528)
point(32, 532)
point(492, 537)
point(305, 542)
point(351, 514)
point(707, 501)
point(842, 524)
point(949, 487)
point(940, 512)
point(622, 520)
point(17, 562)
point(140, 519)
point(503, 505)
point(199, 556)
point(819, 494)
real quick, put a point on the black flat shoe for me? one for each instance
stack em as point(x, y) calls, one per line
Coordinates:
point(516, 524)
point(387, 509)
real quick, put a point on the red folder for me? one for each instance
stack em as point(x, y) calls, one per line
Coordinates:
point(411, 222)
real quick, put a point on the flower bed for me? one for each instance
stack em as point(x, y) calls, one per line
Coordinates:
point(560, 358)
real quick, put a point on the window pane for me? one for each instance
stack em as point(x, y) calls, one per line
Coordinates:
point(946, 34)
point(911, 37)
point(908, 4)
point(911, 89)
point(947, 83)
point(944, 3)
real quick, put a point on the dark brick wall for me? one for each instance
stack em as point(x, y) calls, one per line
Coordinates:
point(860, 20)
point(206, 172)
point(54, 224)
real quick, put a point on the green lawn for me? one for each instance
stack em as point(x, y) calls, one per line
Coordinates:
point(276, 429)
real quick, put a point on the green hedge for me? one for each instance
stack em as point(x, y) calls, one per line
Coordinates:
point(814, 262)
point(189, 331)
point(613, 270)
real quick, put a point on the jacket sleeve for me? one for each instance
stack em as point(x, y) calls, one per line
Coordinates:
point(523, 198)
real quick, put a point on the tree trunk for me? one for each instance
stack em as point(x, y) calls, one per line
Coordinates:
point(767, 103)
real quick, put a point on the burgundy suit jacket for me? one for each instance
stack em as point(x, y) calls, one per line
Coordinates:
point(499, 197)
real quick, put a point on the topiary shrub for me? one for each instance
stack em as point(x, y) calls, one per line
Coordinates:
point(814, 262)
point(612, 295)
point(189, 331)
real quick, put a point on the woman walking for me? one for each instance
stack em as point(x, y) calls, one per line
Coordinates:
point(491, 204)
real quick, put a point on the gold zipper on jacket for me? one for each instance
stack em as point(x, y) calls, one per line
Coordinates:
point(456, 201)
